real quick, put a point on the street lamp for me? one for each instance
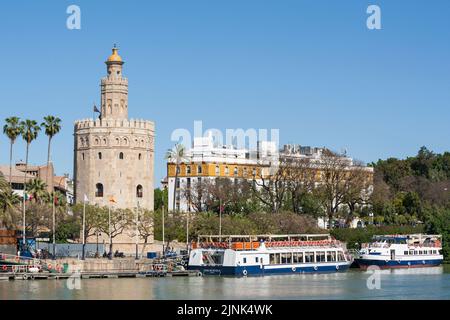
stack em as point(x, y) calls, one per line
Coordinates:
point(137, 231)
point(98, 234)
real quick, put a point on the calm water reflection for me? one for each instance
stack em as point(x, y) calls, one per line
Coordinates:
point(429, 283)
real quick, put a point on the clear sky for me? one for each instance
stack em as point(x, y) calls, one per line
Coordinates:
point(309, 68)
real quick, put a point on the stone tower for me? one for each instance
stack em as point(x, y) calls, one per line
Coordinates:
point(114, 156)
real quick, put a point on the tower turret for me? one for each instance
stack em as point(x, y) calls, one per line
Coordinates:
point(114, 89)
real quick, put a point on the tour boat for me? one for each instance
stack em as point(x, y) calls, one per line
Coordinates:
point(401, 251)
point(268, 255)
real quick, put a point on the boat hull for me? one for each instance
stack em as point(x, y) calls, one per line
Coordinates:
point(396, 264)
point(269, 270)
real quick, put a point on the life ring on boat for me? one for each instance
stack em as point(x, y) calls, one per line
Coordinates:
point(315, 268)
point(199, 274)
point(244, 272)
point(337, 267)
point(25, 277)
point(294, 269)
point(423, 261)
point(409, 263)
point(4, 268)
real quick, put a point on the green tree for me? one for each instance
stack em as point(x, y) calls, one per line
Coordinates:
point(12, 129)
point(161, 198)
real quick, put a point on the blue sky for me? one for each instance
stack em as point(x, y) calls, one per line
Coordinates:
point(309, 68)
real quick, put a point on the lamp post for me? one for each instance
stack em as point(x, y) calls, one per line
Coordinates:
point(109, 230)
point(98, 234)
point(84, 230)
point(137, 231)
point(163, 212)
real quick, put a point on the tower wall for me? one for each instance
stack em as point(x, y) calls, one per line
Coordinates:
point(98, 148)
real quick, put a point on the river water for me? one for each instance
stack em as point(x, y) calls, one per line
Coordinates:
point(426, 283)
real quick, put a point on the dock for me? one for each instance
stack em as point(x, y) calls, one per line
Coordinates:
point(95, 275)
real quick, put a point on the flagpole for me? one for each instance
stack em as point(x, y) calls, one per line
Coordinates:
point(54, 228)
point(109, 228)
point(137, 231)
point(163, 212)
point(220, 220)
point(84, 229)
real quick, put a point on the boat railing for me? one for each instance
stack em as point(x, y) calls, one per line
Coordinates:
point(269, 244)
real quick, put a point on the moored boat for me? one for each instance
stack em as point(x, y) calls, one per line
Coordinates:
point(268, 254)
point(401, 251)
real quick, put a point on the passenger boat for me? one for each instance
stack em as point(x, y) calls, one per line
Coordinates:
point(401, 251)
point(267, 255)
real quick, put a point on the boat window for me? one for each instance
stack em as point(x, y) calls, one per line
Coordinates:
point(420, 252)
point(405, 253)
point(245, 260)
point(411, 252)
point(257, 259)
point(309, 257)
point(285, 258)
point(331, 256)
point(341, 256)
point(272, 258)
point(434, 251)
point(297, 257)
point(320, 256)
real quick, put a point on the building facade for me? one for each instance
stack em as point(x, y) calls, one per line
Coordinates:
point(206, 161)
point(114, 155)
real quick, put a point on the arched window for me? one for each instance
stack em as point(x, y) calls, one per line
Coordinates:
point(227, 171)
point(82, 156)
point(188, 170)
point(245, 171)
point(139, 191)
point(235, 171)
point(217, 170)
point(140, 156)
point(100, 156)
point(99, 190)
point(121, 156)
point(199, 169)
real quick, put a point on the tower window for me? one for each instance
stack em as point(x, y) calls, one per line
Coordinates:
point(99, 190)
point(188, 169)
point(121, 156)
point(82, 156)
point(140, 156)
point(100, 156)
point(139, 191)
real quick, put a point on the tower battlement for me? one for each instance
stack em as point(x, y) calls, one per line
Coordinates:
point(114, 123)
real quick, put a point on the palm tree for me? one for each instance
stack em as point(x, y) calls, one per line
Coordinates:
point(30, 130)
point(12, 130)
point(176, 155)
point(8, 204)
point(38, 189)
point(52, 126)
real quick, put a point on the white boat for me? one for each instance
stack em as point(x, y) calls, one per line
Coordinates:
point(268, 254)
point(401, 251)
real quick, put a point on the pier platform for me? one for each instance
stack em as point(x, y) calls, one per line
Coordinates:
point(95, 275)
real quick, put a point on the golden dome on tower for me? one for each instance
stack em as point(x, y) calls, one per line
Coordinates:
point(114, 57)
